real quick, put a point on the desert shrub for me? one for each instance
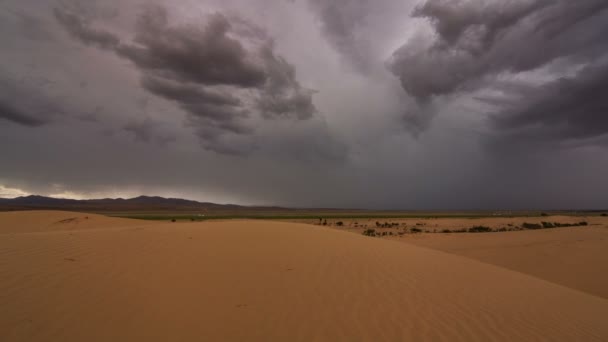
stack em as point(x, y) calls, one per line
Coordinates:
point(583, 223)
point(480, 229)
point(384, 233)
point(503, 229)
point(548, 225)
point(416, 230)
point(447, 231)
point(390, 233)
point(563, 225)
point(339, 223)
point(544, 214)
point(527, 225)
point(172, 220)
point(604, 214)
point(369, 232)
point(325, 222)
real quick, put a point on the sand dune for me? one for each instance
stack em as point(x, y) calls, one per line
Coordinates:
point(574, 257)
point(51, 221)
point(266, 281)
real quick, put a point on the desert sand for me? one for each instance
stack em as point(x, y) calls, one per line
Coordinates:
point(66, 277)
point(576, 257)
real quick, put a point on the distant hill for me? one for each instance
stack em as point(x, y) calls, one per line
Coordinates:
point(141, 203)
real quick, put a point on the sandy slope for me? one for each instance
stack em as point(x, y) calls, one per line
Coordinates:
point(265, 281)
point(574, 257)
point(52, 221)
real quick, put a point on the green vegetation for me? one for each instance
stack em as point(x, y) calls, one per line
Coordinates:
point(305, 215)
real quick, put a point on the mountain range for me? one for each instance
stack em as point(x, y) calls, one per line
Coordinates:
point(141, 203)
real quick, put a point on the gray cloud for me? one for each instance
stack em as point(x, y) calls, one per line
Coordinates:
point(190, 53)
point(567, 108)
point(476, 42)
point(9, 112)
point(340, 22)
point(356, 28)
point(78, 27)
point(124, 107)
point(282, 95)
point(24, 104)
point(148, 130)
point(222, 72)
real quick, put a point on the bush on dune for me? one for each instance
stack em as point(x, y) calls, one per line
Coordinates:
point(480, 229)
point(369, 232)
point(527, 225)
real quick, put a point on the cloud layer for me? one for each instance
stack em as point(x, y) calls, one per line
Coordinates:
point(221, 72)
point(436, 104)
point(476, 43)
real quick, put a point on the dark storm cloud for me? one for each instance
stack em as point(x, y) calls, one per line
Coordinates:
point(78, 27)
point(568, 108)
point(11, 113)
point(361, 30)
point(282, 95)
point(340, 21)
point(25, 104)
point(199, 101)
point(190, 53)
point(223, 72)
point(475, 42)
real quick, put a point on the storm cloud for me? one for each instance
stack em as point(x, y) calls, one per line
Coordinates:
point(569, 108)
point(25, 106)
point(222, 71)
point(389, 104)
point(475, 43)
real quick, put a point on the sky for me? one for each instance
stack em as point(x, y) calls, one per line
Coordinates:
point(378, 104)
